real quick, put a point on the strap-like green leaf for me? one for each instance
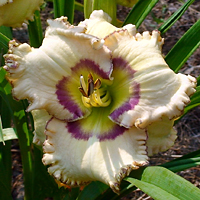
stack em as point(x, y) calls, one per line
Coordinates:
point(152, 190)
point(5, 171)
point(8, 134)
point(195, 100)
point(92, 191)
point(198, 80)
point(79, 6)
point(183, 49)
point(139, 12)
point(171, 20)
point(162, 184)
point(3, 46)
point(1, 132)
point(35, 30)
point(108, 6)
point(21, 125)
point(180, 165)
point(64, 8)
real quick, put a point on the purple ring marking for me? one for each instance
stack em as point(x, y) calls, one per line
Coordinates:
point(135, 96)
point(74, 128)
point(91, 67)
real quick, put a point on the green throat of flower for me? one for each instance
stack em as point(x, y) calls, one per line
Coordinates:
point(93, 93)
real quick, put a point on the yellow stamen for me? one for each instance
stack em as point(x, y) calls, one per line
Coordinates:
point(94, 94)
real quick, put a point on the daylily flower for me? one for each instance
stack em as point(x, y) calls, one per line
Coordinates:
point(111, 96)
point(14, 12)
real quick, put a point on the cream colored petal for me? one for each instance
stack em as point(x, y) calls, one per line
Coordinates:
point(49, 76)
point(161, 136)
point(99, 25)
point(40, 117)
point(160, 91)
point(15, 12)
point(76, 161)
point(3, 2)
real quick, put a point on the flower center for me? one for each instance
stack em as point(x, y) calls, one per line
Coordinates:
point(93, 93)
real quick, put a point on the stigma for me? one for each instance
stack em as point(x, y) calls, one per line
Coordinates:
point(93, 93)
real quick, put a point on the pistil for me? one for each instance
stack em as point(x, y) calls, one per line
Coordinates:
point(93, 93)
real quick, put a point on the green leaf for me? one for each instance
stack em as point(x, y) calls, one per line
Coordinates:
point(152, 190)
point(171, 20)
point(3, 44)
point(198, 80)
point(92, 191)
point(35, 31)
point(195, 100)
point(182, 50)
point(108, 6)
point(79, 6)
point(1, 132)
point(162, 184)
point(7, 31)
point(5, 171)
point(180, 165)
point(139, 12)
point(21, 124)
point(4, 41)
point(8, 134)
point(64, 8)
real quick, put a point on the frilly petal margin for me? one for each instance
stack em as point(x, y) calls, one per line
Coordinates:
point(49, 76)
point(161, 136)
point(3, 2)
point(14, 13)
point(77, 161)
point(162, 92)
point(40, 117)
point(99, 25)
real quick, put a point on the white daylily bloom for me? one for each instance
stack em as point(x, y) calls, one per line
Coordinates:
point(110, 94)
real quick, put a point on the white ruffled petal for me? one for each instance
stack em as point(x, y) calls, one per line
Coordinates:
point(99, 25)
point(160, 91)
point(76, 161)
point(161, 136)
point(49, 76)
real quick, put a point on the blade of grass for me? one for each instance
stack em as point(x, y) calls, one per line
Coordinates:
point(183, 49)
point(173, 18)
point(139, 12)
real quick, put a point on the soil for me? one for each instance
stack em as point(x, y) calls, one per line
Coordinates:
point(188, 127)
